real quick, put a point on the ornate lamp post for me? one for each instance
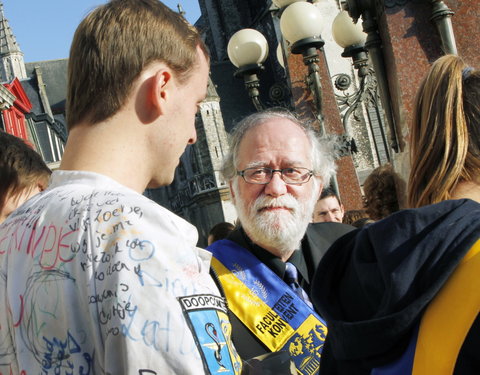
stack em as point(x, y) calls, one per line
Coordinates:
point(442, 16)
point(248, 49)
point(350, 36)
point(301, 25)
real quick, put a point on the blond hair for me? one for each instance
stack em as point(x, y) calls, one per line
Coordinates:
point(445, 132)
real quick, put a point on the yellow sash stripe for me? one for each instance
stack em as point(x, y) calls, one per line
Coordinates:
point(448, 318)
point(267, 325)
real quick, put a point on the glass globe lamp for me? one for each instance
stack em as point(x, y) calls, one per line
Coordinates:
point(301, 25)
point(247, 47)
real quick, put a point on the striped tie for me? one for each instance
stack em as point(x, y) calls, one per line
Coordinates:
point(291, 278)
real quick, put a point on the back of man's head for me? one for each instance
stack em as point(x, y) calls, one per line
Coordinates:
point(384, 192)
point(21, 168)
point(113, 45)
point(220, 231)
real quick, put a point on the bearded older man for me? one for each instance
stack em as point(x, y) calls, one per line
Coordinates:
point(276, 170)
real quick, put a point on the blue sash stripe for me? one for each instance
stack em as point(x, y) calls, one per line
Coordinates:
point(404, 364)
point(272, 289)
point(306, 344)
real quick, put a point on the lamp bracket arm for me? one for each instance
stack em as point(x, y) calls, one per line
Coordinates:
point(313, 82)
point(252, 85)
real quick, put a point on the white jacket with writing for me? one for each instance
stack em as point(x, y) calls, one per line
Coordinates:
point(98, 279)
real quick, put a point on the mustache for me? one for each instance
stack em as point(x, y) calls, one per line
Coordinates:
point(285, 201)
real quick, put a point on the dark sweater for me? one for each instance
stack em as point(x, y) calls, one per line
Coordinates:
point(374, 284)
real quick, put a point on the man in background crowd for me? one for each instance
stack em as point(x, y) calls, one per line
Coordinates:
point(328, 208)
point(219, 231)
point(384, 192)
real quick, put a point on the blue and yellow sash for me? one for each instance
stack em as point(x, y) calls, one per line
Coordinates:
point(268, 307)
point(436, 343)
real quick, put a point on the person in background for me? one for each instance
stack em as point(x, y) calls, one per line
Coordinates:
point(95, 278)
point(351, 216)
point(328, 208)
point(401, 296)
point(219, 231)
point(362, 222)
point(276, 169)
point(384, 192)
point(23, 173)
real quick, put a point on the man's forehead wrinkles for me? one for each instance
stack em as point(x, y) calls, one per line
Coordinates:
point(283, 163)
point(254, 164)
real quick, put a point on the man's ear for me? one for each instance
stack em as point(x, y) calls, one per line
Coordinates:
point(160, 91)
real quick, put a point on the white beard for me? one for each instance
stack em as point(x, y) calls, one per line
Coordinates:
point(279, 229)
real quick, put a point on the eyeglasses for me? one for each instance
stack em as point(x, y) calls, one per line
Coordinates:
point(263, 175)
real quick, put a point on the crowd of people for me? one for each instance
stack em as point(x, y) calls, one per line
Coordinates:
point(95, 278)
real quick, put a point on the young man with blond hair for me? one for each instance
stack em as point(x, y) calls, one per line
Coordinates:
point(95, 278)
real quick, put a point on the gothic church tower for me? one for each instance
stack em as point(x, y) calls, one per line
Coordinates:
point(12, 64)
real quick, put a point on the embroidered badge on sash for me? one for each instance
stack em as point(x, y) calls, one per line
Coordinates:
point(207, 317)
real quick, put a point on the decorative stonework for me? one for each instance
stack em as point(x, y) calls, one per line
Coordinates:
point(6, 98)
point(12, 63)
point(196, 185)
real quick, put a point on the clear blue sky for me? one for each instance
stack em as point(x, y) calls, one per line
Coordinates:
point(44, 28)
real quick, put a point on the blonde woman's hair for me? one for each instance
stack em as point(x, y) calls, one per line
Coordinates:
point(445, 132)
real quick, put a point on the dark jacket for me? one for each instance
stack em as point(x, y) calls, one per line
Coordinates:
point(374, 284)
point(318, 238)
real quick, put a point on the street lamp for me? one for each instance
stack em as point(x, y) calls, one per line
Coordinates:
point(373, 45)
point(442, 16)
point(301, 25)
point(248, 49)
point(350, 36)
